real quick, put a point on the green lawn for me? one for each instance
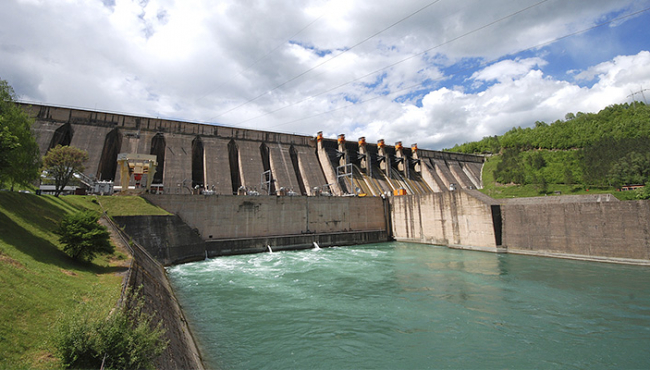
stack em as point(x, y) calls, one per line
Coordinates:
point(128, 205)
point(39, 283)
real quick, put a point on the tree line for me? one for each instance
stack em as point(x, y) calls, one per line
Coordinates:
point(610, 148)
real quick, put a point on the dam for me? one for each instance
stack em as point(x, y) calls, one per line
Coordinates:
point(207, 159)
point(235, 192)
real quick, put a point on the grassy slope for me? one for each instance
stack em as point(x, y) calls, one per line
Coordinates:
point(117, 205)
point(38, 282)
point(499, 191)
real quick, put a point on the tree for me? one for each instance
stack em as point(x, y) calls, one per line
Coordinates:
point(8, 142)
point(82, 237)
point(19, 153)
point(568, 176)
point(61, 162)
point(510, 168)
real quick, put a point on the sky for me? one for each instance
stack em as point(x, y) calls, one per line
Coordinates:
point(432, 72)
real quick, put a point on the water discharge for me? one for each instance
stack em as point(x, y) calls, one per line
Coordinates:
point(411, 306)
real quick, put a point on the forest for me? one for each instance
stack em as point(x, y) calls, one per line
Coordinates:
point(608, 149)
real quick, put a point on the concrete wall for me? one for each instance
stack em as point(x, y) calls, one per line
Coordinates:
point(167, 238)
point(597, 230)
point(310, 168)
point(591, 227)
point(147, 275)
point(226, 247)
point(228, 217)
point(90, 130)
point(217, 168)
point(459, 219)
point(223, 225)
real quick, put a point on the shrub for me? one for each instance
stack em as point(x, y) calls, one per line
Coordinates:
point(127, 339)
point(644, 192)
point(82, 237)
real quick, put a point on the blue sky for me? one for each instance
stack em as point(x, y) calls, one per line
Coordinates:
point(435, 72)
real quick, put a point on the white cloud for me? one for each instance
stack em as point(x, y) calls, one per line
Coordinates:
point(520, 101)
point(264, 64)
point(508, 69)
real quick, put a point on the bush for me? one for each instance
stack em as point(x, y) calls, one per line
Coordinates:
point(82, 237)
point(127, 339)
point(644, 192)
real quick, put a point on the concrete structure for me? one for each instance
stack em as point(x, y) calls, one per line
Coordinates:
point(442, 208)
point(221, 160)
point(141, 167)
point(590, 227)
point(209, 226)
point(166, 238)
point(220, 225)
point(148, 277)
point(598, 228)
point(219, 217)
point(459, 219)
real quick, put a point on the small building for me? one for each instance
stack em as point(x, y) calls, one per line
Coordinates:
point(51, 189)
point(631, 187)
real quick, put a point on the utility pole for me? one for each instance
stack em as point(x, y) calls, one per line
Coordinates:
point(641, 90)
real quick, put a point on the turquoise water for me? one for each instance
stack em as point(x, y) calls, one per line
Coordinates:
point(412, 306)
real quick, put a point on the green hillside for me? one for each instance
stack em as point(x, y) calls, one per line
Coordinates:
point(39, 283)
point(597, 152)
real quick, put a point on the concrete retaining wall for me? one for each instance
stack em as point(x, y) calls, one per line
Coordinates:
point(460, 219)
point(148, 275)
point(226, 247)
point(590, 227)
point(242, 217)
point(614, 231)
point(167, 238)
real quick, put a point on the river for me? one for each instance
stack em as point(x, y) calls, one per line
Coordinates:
point(413, 306)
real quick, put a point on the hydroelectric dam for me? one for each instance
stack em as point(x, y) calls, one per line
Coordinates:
point(236, 191)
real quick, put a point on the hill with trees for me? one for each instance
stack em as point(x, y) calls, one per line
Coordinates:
point(608, 149)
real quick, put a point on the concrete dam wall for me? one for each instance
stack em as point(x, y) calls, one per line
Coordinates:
point(204, 158)
point(459, 219)
point(443, 208)
point(596, 228)
point(222, 225)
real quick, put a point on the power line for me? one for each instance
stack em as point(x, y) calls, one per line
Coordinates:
point(633, 94)
point(265, 55)
point(328, 60)
point(398, 62)
point(470, 68)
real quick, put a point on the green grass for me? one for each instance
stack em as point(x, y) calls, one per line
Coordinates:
point(38, 282)
point(117, 205)
point(500, 191)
